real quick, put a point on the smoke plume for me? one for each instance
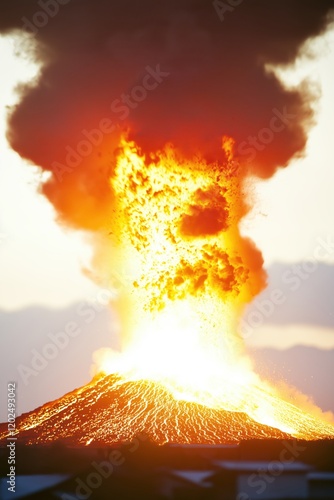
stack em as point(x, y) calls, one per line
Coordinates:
point(184, 72)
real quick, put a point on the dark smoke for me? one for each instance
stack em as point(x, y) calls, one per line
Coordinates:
point(214, 83)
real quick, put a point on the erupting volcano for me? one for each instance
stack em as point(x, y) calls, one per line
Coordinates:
point(161, 190)
point(187, 273)
point(113, 410)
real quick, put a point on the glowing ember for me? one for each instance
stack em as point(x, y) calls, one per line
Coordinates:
point(183, 375)
point(189, 275)
point(112, 410)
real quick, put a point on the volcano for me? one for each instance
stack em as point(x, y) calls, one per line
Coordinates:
point(179, 123)
point(111, 410)
point(187, 273)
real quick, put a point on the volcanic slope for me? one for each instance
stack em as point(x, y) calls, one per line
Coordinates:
point(111, 410)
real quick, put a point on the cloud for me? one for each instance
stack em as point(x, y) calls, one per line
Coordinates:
point(307, 295)
point(95, 54)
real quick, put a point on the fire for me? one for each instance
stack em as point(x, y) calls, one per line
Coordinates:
point(187, 275)
point(228, 146)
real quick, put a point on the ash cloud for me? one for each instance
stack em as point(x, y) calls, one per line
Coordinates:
point(214, 84)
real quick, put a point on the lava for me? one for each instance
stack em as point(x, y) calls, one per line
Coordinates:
point(161, 198)
point(189, 274)
point(111, 409)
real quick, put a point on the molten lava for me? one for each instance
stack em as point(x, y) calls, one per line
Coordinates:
point(113, 410)
point(188, 273)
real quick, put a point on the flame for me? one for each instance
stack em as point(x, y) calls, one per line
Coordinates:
point(187, 275)
point(228, 147)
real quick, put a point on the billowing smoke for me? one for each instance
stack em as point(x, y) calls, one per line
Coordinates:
point(184, 72)
point(180, 71)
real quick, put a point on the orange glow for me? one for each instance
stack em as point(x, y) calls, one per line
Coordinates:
point(184, 275)
point(228, 146)
point(188, 275)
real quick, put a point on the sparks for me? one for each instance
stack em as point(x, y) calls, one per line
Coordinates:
point(189, 275)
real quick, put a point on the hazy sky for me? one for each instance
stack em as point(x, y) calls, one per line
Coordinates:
point(41, 262)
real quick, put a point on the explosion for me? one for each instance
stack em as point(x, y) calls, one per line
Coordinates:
point(189, 275)
point(191, 271)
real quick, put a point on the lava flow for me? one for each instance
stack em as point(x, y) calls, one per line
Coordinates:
point(187, 273)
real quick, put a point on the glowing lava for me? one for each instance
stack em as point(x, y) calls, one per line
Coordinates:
point(113, 410)
point(187, 275)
